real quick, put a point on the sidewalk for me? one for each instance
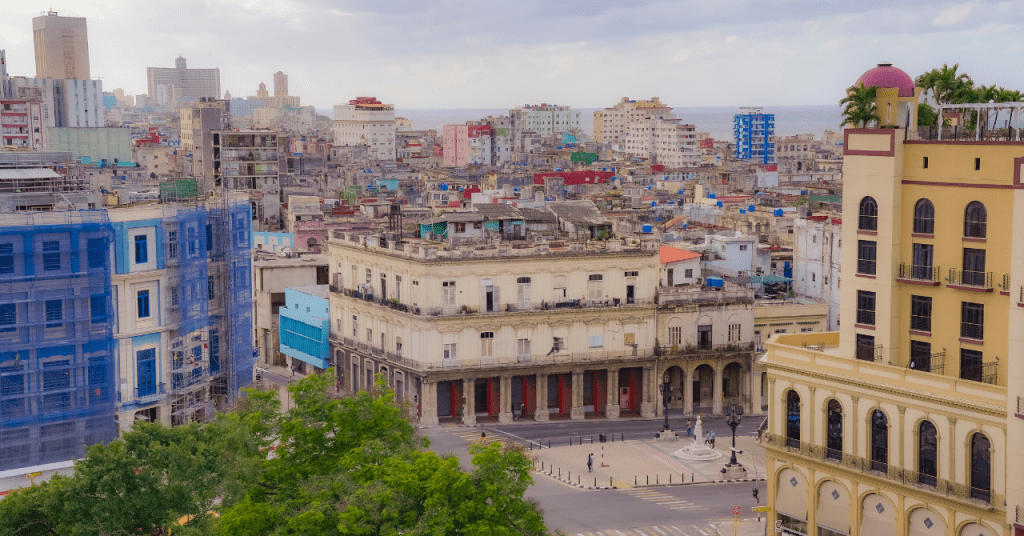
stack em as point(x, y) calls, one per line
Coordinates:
point(643, 463)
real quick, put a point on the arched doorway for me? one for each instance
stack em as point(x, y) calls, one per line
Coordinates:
point(732, 384)
point(312, 245)
point(676, 378)
point(703, 388)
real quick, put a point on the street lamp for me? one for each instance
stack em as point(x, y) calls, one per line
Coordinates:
point(733, 420)
point(666, 393)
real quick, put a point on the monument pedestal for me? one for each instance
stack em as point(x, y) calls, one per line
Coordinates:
point(733, 472)
point(666, 435)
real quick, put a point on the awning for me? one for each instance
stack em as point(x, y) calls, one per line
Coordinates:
point(924, 522)
point(878, 517)
point(792, 496)
point(833, 507)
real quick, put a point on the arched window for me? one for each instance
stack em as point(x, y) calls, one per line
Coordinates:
point(793, 420)
point(927, 454)
point(924, 217)
point(981, 468)
point(834, 443)
point(879, 442)
point(868, 215)
point(975, 218)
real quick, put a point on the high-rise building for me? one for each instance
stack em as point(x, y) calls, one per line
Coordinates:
point(181, 83)
point(249, 161)
point(62, 47)
point(908, 420)
point(22, 122)
point(3, 75)
point(66, 103)
point(366, 121)
point(754, 135)
point(197, 123)
point(280, 84)
point(543, 119)
point(663, 140)
point(611, 125)
point(466, 145)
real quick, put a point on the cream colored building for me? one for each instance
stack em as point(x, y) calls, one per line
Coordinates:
point(664, 141)
point(62, 47)
point(366, 121)
point(611, 125)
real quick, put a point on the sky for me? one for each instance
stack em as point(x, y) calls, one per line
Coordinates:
point(496, 54)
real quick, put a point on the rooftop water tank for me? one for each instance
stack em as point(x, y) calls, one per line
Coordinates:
point(750, 208)
point(711, 196)
point(718, 204)
point(778, 212)
point(743, 211)
point(444, 187)
point(715, 282)
point(686, 226)
point(647, 228)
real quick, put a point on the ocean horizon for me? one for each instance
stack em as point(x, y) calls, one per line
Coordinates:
point(716, 120)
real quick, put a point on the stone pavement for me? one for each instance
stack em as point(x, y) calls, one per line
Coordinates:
point(641, 463)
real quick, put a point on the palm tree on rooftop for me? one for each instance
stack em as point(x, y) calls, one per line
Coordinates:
point(859, 107)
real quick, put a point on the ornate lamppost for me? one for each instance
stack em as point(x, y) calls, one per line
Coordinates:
point(733, 419)
point(666, 393)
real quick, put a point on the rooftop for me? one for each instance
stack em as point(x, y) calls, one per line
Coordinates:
point(671, 254)
point(318, 291)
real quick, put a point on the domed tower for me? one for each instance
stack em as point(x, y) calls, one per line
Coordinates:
point(896, 97)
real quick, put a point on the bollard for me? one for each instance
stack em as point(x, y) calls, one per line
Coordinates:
point(542, 466)
point(634, 481)
point(692, 476)
point(549, 443)
point(656, 479)
point(581, 440)
point(577, 479)
point(570, 441)
point(595, 481)
point(669, 479)
point(559, 472)
point(609, 482)
point(591, 440)
point(570, 476)
point(648, 480)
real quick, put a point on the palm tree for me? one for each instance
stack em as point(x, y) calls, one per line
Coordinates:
point(859, 106)
point(946, 84)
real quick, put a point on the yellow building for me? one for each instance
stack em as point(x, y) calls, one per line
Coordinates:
point(898, 424)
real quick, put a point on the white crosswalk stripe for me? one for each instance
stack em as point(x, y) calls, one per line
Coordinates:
point(654, 530)
point(663, 499)
point(474, 436)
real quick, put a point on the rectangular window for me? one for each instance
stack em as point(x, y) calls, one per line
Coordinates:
point(866, 251)
point(487, 344)
point(141, 250)
point(523, 347)
point(143, 303)
point(369, 335)
point(977, 164)
point(743, 247)
point(209, 288)
point(450, 351)
point(865, 307)
point(398, 345)
point(920, 356)
point(54, 313)
point(523, 291)
point(460, 227)
point(923, 261)
point(209, 237)
point(632, 274)
point(596, 341)
point(98, 308)
point(97, 252)
point(172, 244)
point(448, 293)
point(972, 320)
point(974, 267)
point(146, 371)
point(51, 255)
point(560, 287)
point(557, 345)
point(971, 364)
point(6, 258)
point(865, 347)
point(926, 162)
point(734, 332)
point(355, 326)
point(688, 273)
point(675, 335)
point(921, 313)
point(8, 317)
point(368, 276)
point(595, 287)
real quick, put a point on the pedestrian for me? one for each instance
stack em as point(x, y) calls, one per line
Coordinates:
point(712, 439)
point(590, 463)
point(707, 439)
point(688, 429)
point(522, 410)
point(293, 371)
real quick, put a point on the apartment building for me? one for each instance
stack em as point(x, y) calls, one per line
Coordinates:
point(197, 122)
point(366, 121)
point(61, 46)
point(908, 419)
point(169, 85)
point(467, 145)
point(250, 161)
point(664, 141)
point(66, 103)
point(22, 124)
point(611, 125)
point(817, 262)
point(754, 136)
point(544, 120)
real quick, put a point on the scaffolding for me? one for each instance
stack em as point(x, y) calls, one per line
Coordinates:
point(57, 390)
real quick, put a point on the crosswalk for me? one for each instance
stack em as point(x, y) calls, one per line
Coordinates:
point(662, 499)
point(657, 530)
point(473, 436)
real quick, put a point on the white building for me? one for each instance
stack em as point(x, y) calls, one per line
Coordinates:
point(66, 103)
point(663, 140)
point(817, 257)
point(611, 125)
point(366, 121)
point(544, 119)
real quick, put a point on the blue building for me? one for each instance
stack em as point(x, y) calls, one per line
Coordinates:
point(57, 355)
point(305, 327)
point(754, 136)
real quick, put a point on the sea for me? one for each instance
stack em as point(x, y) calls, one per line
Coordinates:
point(716, 120)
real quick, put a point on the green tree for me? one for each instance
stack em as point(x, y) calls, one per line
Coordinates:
point(859, 106)
point(926, 115)
point(947, 85)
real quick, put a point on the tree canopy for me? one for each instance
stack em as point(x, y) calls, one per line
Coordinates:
point(350, 466)
point(859, 107)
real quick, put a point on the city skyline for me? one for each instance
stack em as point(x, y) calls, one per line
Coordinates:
point(765, 54)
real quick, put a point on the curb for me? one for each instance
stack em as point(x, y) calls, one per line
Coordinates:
point(573, 484)
point(733, 481)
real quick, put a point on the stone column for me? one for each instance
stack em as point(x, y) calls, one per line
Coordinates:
point(468, 411)
point(505, 397)
point(899, 437)
point(541, 413)
point(853, 424)
point(429, 404)
point(954, 455)
point(810, 410)
point(687, 391)
point(747, 388)
point(612, 409)
point(647, 407)
point(716, 391)
point(576, 410)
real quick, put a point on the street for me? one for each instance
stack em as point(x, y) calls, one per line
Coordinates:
point(690, 510)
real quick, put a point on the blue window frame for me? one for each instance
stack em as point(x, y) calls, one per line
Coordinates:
point(143, 301)
point(209, 288)
point(214, 350)
point(146, 371)
point(6, 258)
point(209, 237)
point(98, 308)
point(54, 311)
point(141, 249)
point(8, 317)
point(51, 255)
point(97, 252)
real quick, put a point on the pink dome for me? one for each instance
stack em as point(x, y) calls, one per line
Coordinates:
point(885, 75)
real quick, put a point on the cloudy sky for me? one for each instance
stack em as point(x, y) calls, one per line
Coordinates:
point(484, 53)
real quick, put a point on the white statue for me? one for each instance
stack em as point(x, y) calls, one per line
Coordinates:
point(698, 431)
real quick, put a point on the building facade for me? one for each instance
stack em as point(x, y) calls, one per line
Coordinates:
point(62, 47)
point(305, 328)
point(611, 125)
point(168, 85)
point(467, 145)
point(754, 136)
point(249, 161)
point(817, 262)
point(907, 421)
point(22, 124)
point(366, 121)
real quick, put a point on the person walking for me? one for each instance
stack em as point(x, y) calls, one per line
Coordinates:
point(590, 463)
point(712, 439)
point(522, 410)
point(688, 428)
point(707, 439)
point(293, 370)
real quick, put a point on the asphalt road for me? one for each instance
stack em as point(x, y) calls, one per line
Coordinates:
point(691, 509)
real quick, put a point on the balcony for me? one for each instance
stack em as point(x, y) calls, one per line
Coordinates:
point(918, 275)
point(694, 295)
point(880, 469)
point(147, 395)
point(462, 310)
point(700, 351)
point(969, 280)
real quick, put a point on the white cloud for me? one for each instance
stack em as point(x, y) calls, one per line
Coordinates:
point(952, 15)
